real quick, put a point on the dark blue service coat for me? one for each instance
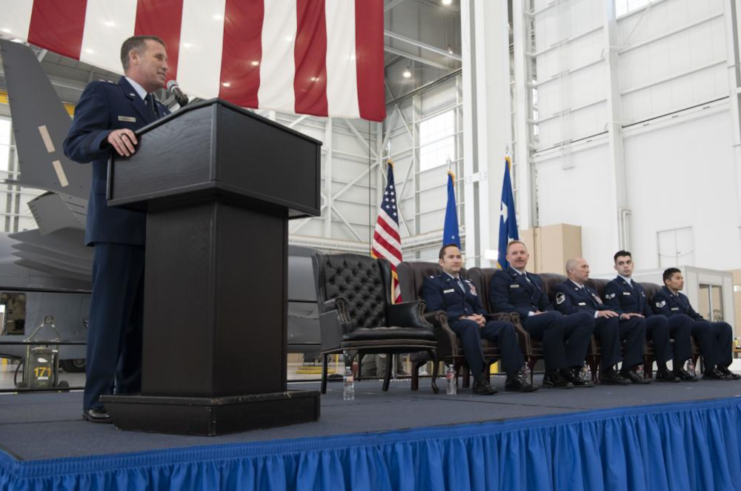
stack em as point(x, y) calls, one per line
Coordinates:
point(443, 292)
point(104, 107)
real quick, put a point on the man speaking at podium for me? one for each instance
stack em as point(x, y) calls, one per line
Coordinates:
point(105, 120)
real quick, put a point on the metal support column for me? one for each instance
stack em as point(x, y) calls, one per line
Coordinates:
point(526, 199)
point(620, 217)
point(486, 133)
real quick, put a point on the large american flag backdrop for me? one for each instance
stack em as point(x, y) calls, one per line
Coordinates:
point(317, 57)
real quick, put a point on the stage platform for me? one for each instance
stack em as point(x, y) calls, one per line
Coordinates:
point(660, 436)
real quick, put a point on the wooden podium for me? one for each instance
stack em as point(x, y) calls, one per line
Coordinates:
point(218, 184)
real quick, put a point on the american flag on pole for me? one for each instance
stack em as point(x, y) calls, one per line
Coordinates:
point(317, 57)
point(386, 238)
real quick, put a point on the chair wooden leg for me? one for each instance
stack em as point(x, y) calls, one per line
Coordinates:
point(594, 367)
point(415, 374)
point(387, 376)
point(324, 373)
point(435, 365)
point(531, 364)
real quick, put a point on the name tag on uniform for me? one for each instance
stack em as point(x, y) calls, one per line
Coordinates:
point(514, 286)
point(449, 291)
point(582, 303)
point(675, 308)
point(626, 293)
point(127, 119)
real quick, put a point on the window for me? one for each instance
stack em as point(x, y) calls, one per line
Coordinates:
point(623, 7)
point(437, 141)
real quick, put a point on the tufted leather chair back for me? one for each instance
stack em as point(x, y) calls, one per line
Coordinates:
point(651, 289)
point(550, 281)
point(356, 278)
point(481, 279)
point(412, 275)
point(599, 286)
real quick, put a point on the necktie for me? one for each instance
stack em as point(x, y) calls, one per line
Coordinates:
point(152, 104)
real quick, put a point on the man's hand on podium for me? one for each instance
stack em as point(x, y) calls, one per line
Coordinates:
point(123, 141)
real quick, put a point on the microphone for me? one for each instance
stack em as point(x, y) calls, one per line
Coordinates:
point(174, 89)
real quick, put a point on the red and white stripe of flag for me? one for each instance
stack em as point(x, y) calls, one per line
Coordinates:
point(387, 244)
point(317, 57)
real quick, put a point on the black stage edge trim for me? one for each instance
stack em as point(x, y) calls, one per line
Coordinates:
point(201, 416)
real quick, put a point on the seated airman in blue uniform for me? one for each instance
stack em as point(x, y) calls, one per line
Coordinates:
point(565, 337)
point(467, 318)
point(574, 295)
point(715, 338)
point(625, 296)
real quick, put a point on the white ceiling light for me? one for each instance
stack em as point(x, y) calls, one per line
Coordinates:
point(447, 2)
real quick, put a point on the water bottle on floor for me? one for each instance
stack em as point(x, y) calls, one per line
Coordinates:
point(639, 371)
point(452, 381)
point(691, 367)
point(348, 392)
point(584, 374)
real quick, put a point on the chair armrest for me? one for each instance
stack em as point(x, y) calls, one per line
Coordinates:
point(447, 341)
point(406, 314)
point(331, 330)
point(523, 337)
point(339, 305)
point(333, 322)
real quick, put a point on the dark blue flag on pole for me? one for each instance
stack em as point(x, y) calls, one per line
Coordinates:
point(450, 232)
point(507, 219)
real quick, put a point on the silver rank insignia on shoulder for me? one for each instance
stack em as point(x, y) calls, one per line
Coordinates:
point(581, 304)
point(514, 286)
point(660, 304)
point(675, 308)
point(449, 291)
point(610, 295)
point(626, 293)
point(127, 119)
point(560, 298)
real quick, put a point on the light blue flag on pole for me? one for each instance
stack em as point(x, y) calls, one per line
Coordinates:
point(507, 219)
point(451, 233)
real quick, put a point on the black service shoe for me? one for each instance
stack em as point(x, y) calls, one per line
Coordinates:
point(664, 375)
point(685, 376)
point(96, 415)
point(554, 380)
point(572, 375)
point(482, 388)
point(635, 378)
point(715, 374)
point(725, 371)
point(518, 383)
point(612, 377)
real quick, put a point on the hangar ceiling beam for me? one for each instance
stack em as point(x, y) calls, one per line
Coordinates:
point(420, 44)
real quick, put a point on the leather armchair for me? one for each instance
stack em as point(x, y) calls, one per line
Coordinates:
point(531, 348)
point(649, 356)
point(356, 315)
point(594, 353)
point(411, 278)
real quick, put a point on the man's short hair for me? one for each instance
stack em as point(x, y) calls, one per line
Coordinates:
point(621, 254)
point(513, 242)
point(571, 264)
point(443, 248)
point(138, 44)
point(669, 273)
